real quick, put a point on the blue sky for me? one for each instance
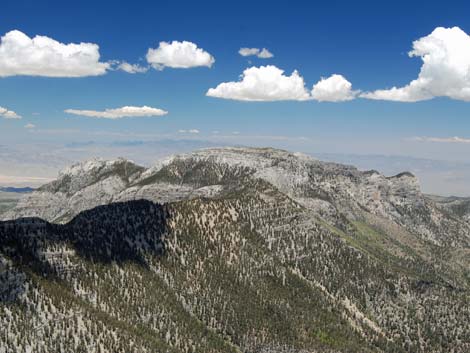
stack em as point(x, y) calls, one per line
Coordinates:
point(366, 42)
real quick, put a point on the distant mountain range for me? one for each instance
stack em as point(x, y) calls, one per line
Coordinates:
point(234, 250)
point(22, 190)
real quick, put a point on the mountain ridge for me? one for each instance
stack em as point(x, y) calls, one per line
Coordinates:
point(254, 250)
point(210, 172)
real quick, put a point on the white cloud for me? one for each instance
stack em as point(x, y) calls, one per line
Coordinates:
point(44, 56)
point(118, 113)
point(454, 139)
point(248, 51)
point(260, 53)
point(131, 68)
point(445, 71)
point(8, 114)
point(30, 126)
point(178, 55)
point(333, 89)
point(265, 54)
point(190, 131)
point(265, 83)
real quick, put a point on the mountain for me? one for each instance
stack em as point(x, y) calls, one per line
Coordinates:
point(233, 250)
point(436, 176)
point(24, 190)
point(457, 206)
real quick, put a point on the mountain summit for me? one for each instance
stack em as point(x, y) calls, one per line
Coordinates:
point(233, 250)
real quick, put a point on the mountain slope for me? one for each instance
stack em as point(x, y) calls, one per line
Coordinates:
point(254, 250)
point(456, 206)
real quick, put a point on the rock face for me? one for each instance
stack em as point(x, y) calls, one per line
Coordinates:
point(78, 188)
point(233, 250)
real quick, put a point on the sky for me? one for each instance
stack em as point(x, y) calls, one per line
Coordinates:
point(138, 78)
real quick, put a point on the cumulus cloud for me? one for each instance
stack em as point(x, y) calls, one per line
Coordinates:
point(269, 83)
point(333, 89)
point(454, 139)
point(248, 51)
point(30, 126)
point(118, 113)
point(265, 83)
point(265, 54)
point(190, 131)
point(44, 56)
point(131, 68)
point(260, 53)
point(8, 114)
point(178, 55)
point(445, 71)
